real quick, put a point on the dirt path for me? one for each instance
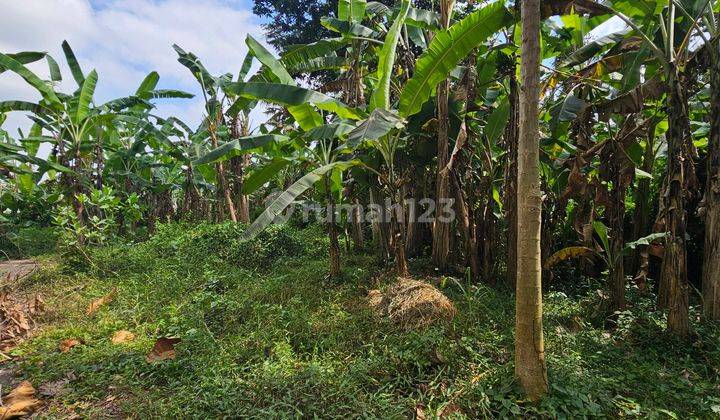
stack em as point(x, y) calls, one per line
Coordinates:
point(16, 269)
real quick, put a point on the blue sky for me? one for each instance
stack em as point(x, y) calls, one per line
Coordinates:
point(125, 40)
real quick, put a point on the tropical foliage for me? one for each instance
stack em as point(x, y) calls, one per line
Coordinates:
point(402, 106)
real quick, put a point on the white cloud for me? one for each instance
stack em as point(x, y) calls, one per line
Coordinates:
point(125, 40)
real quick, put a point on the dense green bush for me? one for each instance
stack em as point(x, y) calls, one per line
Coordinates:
point(205, 244)
point(225, 243)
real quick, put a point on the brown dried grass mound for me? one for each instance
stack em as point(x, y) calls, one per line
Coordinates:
point(411, 304)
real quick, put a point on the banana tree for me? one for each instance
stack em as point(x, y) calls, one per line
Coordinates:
point(281, 89)
point(710, 207)
point(667, 45)
point(74, 126)
point(214, 122)
point(607, 253)
point(381, 129)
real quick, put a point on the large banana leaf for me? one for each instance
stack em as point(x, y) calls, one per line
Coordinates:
point(379, 123)
point(303, 113)
point(167, 94)
point(289, 195)
point(54, 69)
point(73, 64)
point(237, 147)
point(329, 131)
point(13, 65)
point(87, 91)
point(381, 95)
point(590, 49)
point(645, 240)
point(351, 10)
point(376, 8)
point(260, 176)
point(418, 18)
point(319, 63)
point(446, 50)
point(422, 18)
point(269, 61)
point(6, 106)
point(25, 57)
point(149, 83)
point(497, 121)
point(124, 103)
point(245, 68)
point(192, 62)
point(297, 54)
point(291, 96)
point(417, 36)
point(347, 28)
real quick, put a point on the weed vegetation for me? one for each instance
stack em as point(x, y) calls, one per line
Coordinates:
point(265, 334)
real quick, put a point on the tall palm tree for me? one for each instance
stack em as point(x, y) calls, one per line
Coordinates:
point(529, 344)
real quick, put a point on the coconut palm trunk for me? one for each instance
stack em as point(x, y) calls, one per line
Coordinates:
point(529, 344)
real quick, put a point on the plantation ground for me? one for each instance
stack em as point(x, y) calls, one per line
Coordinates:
point(265, 334)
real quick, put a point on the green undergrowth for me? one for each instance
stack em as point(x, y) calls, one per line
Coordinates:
point(265, 334)
point(26, 242)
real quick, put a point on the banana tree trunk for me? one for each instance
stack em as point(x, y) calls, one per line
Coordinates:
point(240, 128)
point(379, 227)
point(641, 216)
point(616, 213)
point(467, 227)
point(529, 343)
point(441, 228)
point(223, 187)
point(679, 168)
point(77, 189)
point(711, 261)
point(332, 232)
point(242, 203)
point(99, 163)
point(398, 233)
point(412, 240)
point(225, 191)
point(357, 229)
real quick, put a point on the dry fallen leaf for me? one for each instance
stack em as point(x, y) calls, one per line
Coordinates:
point(19, 402)
point(67, 344)
point(97, 303)
point(37, 305)
point(420, 412)
point(449, 410)
point(163, 349)
point(122, 336)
